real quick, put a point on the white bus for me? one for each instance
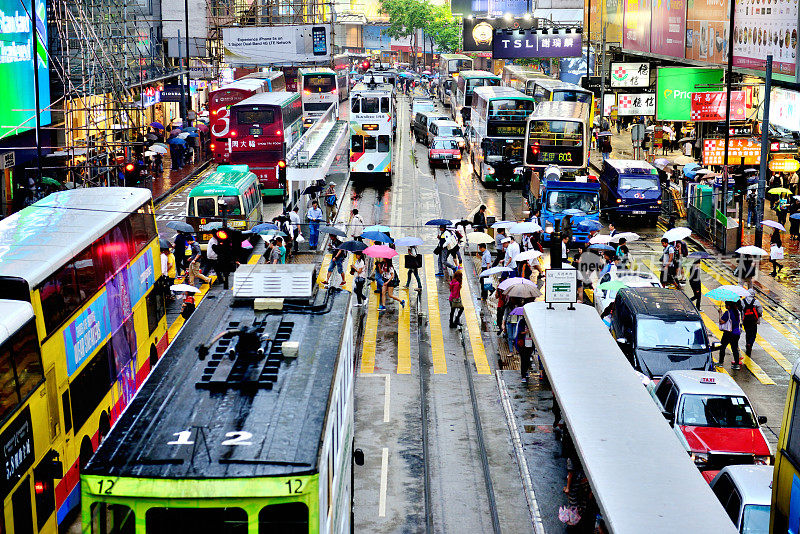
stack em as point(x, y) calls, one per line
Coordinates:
point(558, 134)
point(465, 84)
point(499, 116)
point(373, 122)
point(320, 90)
point(449, 67)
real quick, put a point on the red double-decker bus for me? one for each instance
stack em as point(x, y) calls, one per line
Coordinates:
point(262, 130)
point(219, 103)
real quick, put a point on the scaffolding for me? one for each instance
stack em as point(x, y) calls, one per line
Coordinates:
point(103, 53)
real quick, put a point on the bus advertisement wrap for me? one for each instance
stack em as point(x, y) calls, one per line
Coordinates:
point(16, 67)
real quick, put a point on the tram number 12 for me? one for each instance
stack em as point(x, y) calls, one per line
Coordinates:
point(295, 485)
point(104, 486)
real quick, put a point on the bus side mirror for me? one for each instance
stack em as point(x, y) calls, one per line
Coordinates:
point(358, 457)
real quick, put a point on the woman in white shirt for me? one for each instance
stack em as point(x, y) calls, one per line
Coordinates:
point(360, 277)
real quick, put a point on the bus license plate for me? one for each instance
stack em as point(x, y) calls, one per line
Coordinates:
point(206, 237)
point(255, 131)
point(639, 212)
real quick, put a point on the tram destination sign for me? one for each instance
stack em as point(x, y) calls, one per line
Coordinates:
point(519, 44)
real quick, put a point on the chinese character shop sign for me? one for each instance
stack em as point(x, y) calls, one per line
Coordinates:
point(710, 106)
point(747, 148)
point(636, 104)
point(515, 44)
point(630, 74)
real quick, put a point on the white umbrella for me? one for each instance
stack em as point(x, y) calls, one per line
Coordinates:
point(180, 288)
point(702, 171)
point(158, 149)
point(528, 255)
point(684, 160)
point(676, 234)
point(774, 224)
point(602, 239)
point(508, 282)
point(149, 153)
point(751, 250)
point(496, 270)
point(479, 237)
point(183, 135)
point(524, 228)
point(503, 224)
point(628, 236)
point(739, 290)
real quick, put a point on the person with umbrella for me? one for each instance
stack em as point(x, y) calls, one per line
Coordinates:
point(314, 219)
point(181, 242)
point(479, 219)
point(694, 281)
point(330, 202)
point(669, 265)
point(294, 220)
point(524, 348)
point(456, 306)
point(775, 252)
point(194, 262)
point(794, 219)
point(413, 262)
point(390, 281)
point(729, 324)
point(337, 260)
point(359, 271)
point(751, 317)
point(167, 267)
point(446, 239)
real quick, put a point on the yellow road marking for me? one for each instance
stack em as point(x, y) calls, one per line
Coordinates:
point(323, 269)
point(254, 259)
point(474, 330)
point(404, 327)
point(370, 334)
point(434, 317)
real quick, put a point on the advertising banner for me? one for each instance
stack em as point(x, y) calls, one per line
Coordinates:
point(784, 109)
point(764, 28)
point(612, 18)
point(477, 33)
point(609, 104)
point(536, 43)
point(373, 37)
point(270, 45)
point(636, 30)
point(738, 148)
point(87, 332)
point(707, 30)
point(674, 88)
point(593, 15)
point(636, 104)
point(630, 75)
point(668, 28)
point(498, 8)
point(16, 67)
point(710, 106)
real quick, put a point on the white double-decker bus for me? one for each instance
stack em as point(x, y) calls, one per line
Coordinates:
point(319, 89)
point(465, 84)
point(372, 127)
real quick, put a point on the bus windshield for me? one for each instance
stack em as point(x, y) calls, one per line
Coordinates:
point(563, 95)
point(721, 411)
point(510, 109)
point(638, 182)
point(319, 83)
point(255, 116)
point(456, 65)
point(557, 133)
point(586, 201)
point(472, 83)
point(500, 147)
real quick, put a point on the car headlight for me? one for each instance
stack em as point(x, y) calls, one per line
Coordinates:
point(489, 169)
point(762, 460)
point(700, 458)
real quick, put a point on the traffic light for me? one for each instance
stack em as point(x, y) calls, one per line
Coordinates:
point(132, 173)
point(282, 173)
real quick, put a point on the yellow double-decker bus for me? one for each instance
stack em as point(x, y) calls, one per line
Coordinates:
point(81, 325)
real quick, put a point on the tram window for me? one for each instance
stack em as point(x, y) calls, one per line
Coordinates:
point(144, 228)
point(112, 519)
point(23, 512)
point(65, 405)
point(369, 105)
point(370, 143)
point(287, 518)
point(385, 104)
point(356, 107)
point(196, 520)
point(793, 439)
point(357, 143)
point(383, 143)
point(205, 207)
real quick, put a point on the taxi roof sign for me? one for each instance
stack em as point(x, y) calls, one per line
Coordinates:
point(708, 380)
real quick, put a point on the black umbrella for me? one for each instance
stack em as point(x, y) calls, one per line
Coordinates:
point(439, 222)
point(352, 246)
point(333, 230)
point(312, 189)
point(163, 243)
point(180, 226)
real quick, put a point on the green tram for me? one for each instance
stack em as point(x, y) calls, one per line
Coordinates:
point(244, 426)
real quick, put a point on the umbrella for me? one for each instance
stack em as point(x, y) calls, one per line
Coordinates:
point(517, 311)
point(685, 139)
point(573, 211)
point(158, 149)
point(779, 191)
point(177, 141)
point(439, 222)
point(795, 215)
point(676, 234)
point(257, 229)
point(700, 172)
point(496, 270)
point(377, 236)
point(312, 189)
point(183, 135)
point(523, 291)
point(190, 129)
point(180, 226)
point(202, 127)
point(46, 180)
point(602, 239)
point(148, 153)
point(462, 222)
point(774, 224)
point(193, 134)
point(163, 145)
point(408, 242)
point(333, 231)
point(163, 243)
point(751, 250)
point(151, 137)
point(662, 163)
point(178, 288)
point(683, 160)
point(503, 224)
point(269, 233)
point(628, 236)
point(604, 134)
point(174, 132)
point(689, 170)
point(157, 125)
point(725, 295)
point(528, 255)
point(524, 228)
point(739, 290)
point(600, 247)
point(612, 285)
point(352, 246)
point(380, 251)
point(699, 254)
point(377, 228)
point(589, 225)
point(508, 282)
point(479, 237)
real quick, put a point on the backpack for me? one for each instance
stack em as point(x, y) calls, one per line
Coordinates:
point(450, 241)
point(750, 313)
point(330, 200)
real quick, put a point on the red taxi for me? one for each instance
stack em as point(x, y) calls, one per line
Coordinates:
point(444, 151)
point(715, 417)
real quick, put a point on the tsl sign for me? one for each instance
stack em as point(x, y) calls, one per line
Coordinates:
point(518, 44)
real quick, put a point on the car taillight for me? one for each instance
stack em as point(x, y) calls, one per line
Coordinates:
point(619, 201)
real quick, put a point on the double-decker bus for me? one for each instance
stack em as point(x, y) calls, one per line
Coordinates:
point(372, 126)
point(341, 65)
point(219, 103)
point(465, 84)
point(81, 325)
point(450, 65)
point(552, 90)
point(274, 79)
point(522, 78)
point(499, 118)
point(320, 90)
point(263, 128)
point(558, 134)
point(784, 511)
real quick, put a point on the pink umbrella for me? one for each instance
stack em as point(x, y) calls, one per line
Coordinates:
point(505, 284)
point(380, 251)
point(174, 132)
point(202, 127)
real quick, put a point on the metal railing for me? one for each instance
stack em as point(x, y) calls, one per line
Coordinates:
point(304, 149)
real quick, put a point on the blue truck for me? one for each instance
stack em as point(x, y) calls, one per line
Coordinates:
point(631, 188)
point(558, 198)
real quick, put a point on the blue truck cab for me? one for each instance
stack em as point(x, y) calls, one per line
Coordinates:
point(631, 187)
point(581, 199)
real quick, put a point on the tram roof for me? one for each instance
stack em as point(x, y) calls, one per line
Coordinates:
point(286, 421)
point(246, 84)
point(639, 472)
point(39, 239)
point(553, 84)
point(275, 98)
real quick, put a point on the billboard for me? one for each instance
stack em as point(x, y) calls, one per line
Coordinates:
point(668, 28)
point(636, 104)
point(612, 18)
point(499, 8)
point(636, 25)
point(535, 43)
point(373, 37)
point(707, 30)
point(710, 106)
point(761, 29)
point(630, 74)
point(16, 68)
point(281, 45)
point(738, 148)
point(477, 32)
point(784, 109)
point(674, 88)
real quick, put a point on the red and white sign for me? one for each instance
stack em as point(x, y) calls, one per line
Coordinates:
point(738, 148)
point(710, 106)
point(636, 104)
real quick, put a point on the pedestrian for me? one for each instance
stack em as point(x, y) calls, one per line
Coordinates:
point(181, 241)
point(456, 306)
point(455, 250)
point(605, 145)
point(194, 263)
point(612, 229)
point(751, 317)
point(274, 253)
point(167, 271)
point(446, 240)
point(794, 221)
point(782, 209)
point(525, 349)
point(337, 260)
point(622, 252)
point(669, 265)
point(359, 272)
point(564, 249)
point(356, 224)
point(511, 250)
point(775, 252)
point(330, 203)
point(479, 219)
point(694, 282)
point(314, 219)
point(499, 236)
point(745, 270)
point(730, 327)
point(188, 306)
point(486, 263)
point(294, 220)
point(390, 281)
point(751, 207)
point(413, 262)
